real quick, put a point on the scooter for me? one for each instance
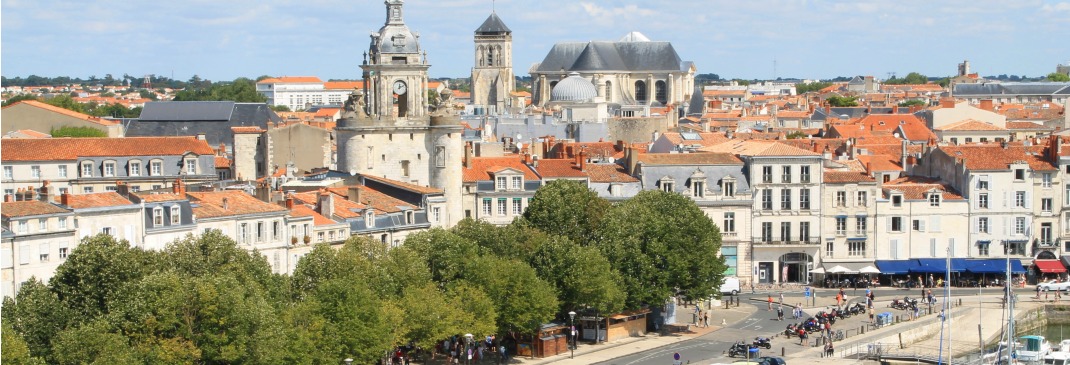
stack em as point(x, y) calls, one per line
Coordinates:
point(738, 348)
point(762, 342)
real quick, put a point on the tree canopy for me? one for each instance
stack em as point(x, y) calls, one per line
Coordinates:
point(842, 101)
point(803, 88)
point(241, 90)
point(912, 78)
point(1058, 77)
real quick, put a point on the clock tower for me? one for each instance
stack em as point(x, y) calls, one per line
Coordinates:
point(395, 70)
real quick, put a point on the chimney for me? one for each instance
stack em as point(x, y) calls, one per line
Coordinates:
point(986, 104)
point(354, 194)
point(468, 155)
point(201, 137)
point(9, 198)
point(947, 103)
point(178, 187)
point(289, 201)
point(895, 109)
point(827, 154)
point(583, 160)
point(620, 144)
point(46, 195)
point(828, 110)
point(122, 188)
point(65, 199)
point(325, 204)
point(903, 151)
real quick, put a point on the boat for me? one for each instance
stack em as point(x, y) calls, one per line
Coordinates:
point(1061, 356)
point(1034, 348)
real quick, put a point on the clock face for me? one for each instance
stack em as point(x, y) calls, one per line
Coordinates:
point(399, 87)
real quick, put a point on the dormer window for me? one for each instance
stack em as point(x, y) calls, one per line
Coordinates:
point(934, 199)
point(897, 200)
point(176, 215)
point(157, 217)
point(500, 183)
point(134, 168)
point(156, 168)
point(410, 217)
point(87, 169)
point(369, 219)
point(109, 168)
point(191, 166)
point(667, 185)
point(1019, 174)
point(698, 184)
point(517, 182)
point(728, 187)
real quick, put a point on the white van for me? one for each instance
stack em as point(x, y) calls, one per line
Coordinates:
point(730, 285)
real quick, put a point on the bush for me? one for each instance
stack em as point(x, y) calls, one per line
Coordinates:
point(77, 132)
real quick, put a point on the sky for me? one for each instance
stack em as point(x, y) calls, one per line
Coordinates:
point(748, 39)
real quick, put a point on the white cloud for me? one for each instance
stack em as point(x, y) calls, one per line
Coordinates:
point(1057, 7)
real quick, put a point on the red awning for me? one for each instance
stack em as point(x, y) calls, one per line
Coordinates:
point(1050, 266)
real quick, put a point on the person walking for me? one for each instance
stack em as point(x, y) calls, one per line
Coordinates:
point(781, 298)
point(770, 303)
point(780, 312)
point(706, 319)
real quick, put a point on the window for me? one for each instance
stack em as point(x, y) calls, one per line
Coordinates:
point(860, 226)
point(330, 235)
point(897, 201)
point(486, 206)
point(436, 212)
point(728, 188)
point(261, 232)
point(405, 168)
point(785, 231)
point(841, 226)
point(1045, 205)
point(731, 259)
point(320, 236)
point(767, 232)
point(157, 217)
point(517, 181)
point(502, 208)
point(982, 183)
point(841, 199)
point(982, 248)
point(42, 225)
point(87, 169)
point(23, 227)
point(729, 222)
point(804, 174)
point(1045, 235)
point(35, 172)
point(1019, 174)
point(1019, 199)
point(1045, 180)
point(62, 170)
point(276, 230)
point(109, 168)
point(108, 231)
point(698, 189)
point(191, 166)
point(43, 252)
point(982, 225)
point(87, 189)
point(62, 222)
point(918, 225)
point(1019, 225)
point(243, 233)
point(804, 199)
point(829, 248)
point(767, 174)
point(767, 199)
point(176, 215)
point(785, 175)
point(982, 201)
point(134, 168)
point(62, 253)
point(156, 168)
point(804, 231)
point(667, 186)
point(499, 183)
point(9, 174)
point(934, 199)
point(897, 224)
point(862, 197)
point(785, 199)
point(856, 248)
point(518, 207)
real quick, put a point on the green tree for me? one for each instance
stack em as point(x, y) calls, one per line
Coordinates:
point(213, 254)
point(568, 208)
point(796, 135)
point(842, 101)
point(93, 343)
point(524, 301)
point(241, 90)
point(66, 102)
point(663, 245)
point(280, 108)
point(96, 271)
point(445, 253)
point(517, 240)
point(77, 132)
point(914, 102)
point(912, 78)
point(17, 98)
point(14, 349)
point(803, 88)
point(36, 315)
point(582, 275)
point(1058, 77)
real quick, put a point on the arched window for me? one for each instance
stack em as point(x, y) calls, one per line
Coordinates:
point(490, 56)
point(659, 92)
point(609, 91)
point(481, 52)
point(640, 91)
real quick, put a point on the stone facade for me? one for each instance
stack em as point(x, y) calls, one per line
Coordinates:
point(492, 77)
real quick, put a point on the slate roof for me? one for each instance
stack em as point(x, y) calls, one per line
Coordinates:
point(29, 208)
point(1012, 88)
point(188, 118)
point(187, 111)
point(493, 25)
point(97, 200)
point(68, 149)
point(612, 56)
point(710, 158)
point(210, 204)
point(404, 185)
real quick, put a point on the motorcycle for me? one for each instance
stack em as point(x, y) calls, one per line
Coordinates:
point(739, 348)
point(791, 330)
point(762, 342)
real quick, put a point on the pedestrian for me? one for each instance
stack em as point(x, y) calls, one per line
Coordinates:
point(781, 298)
point(780, 313)
point(706, 319)
point(917, 312)
point(830, 351)
point(770, 303)
point(871, 314)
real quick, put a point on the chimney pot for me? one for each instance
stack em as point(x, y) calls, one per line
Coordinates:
point(65, 199)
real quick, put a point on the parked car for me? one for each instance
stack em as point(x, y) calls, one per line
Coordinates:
point(730, 285)
point(1053, 285)
point(771, 360)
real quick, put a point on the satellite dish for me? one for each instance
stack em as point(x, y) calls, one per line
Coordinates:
point(518, 136)
point(352, 172)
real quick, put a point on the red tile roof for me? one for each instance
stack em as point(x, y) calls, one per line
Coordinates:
point(222, 162)
point(97, 200)
point(29, 208)
point(1017, 125)
point(343, 85)
point(705, 138)
point(158, 197)
point(343, 208)
point(301, 210)
point(917, 188)
point(210, 204)
point(67, 149)
point(375, 199)
point(845, 177)
point(608, 173)
point(705, 158)
point(291, 79)
point(875, 163)
point(67, 112)
point(559, 168)
point(246, 129)
point(479, 167)
point(30, 133)
point(995, 157)
point(970, 125)
point(759, 148)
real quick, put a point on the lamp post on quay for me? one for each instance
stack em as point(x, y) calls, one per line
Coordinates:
point(348, 361)
point(467, 348)
point(572, 333)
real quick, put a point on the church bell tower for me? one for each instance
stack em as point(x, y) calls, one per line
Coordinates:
point(395, 70)
point(492, 76)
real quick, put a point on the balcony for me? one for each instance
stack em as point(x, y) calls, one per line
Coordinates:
point(791, 241)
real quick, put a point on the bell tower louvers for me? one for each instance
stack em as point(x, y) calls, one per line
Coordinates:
point(492, 77)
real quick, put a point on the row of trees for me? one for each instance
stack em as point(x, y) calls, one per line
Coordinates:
point(114, 110)
point(205, 300)
point(107, 80)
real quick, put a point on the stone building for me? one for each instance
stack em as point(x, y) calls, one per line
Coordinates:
point(492, 76)
point(42, 117)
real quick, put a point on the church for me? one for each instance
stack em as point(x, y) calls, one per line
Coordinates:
point(387, 129)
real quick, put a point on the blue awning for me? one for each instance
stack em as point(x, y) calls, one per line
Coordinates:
point(933, 266)
point(994, 266)
point(856, 238)
point(894, 267)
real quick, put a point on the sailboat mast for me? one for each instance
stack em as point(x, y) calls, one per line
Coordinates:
point(1010, 312)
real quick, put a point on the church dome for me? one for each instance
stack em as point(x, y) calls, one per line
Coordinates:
point(573, 88)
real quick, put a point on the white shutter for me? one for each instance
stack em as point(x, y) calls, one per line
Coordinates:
point(973, 225)
point(890, 224)
point(1005, 198)
point(24, 254)
point(935, 225)
point(921, 225)
point(63, 244)
point(43, 249)
point(895, 249)
point(1006, 226)
point(932, 247)
point(130, 235)
point(1029, 199)
point(5, 258)
point(951, 246)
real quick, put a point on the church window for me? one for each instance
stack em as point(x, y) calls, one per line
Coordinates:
point(659, 92)
point(490, 57)
point(405, 168)
point(640, 91)
point(609, 91)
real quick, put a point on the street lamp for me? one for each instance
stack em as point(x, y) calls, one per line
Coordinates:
point(348, 361)
point(572, 333)
point(468, 348)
